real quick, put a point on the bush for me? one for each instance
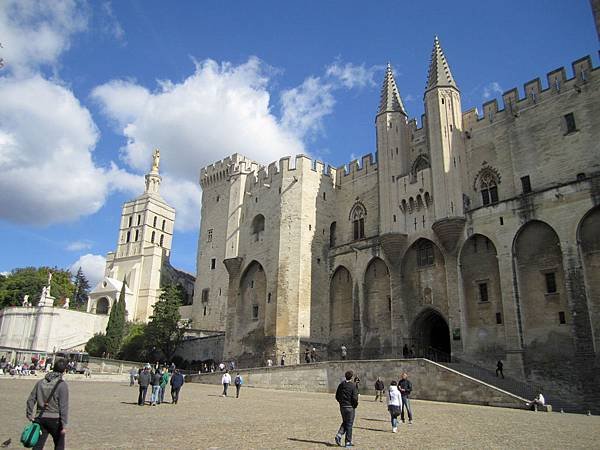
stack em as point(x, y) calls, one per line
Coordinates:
point(96, 346)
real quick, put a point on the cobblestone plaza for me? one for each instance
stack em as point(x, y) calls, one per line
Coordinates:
point(104, 416)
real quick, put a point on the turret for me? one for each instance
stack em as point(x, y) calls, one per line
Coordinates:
point(444, 135)
point(393, 137)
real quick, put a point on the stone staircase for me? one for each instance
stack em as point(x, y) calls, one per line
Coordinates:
point(516, 387)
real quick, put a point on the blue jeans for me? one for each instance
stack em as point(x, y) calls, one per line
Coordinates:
point(406, 404)
point(347, 423)
point(155, 394)
point(394, 413)
point(161, 396)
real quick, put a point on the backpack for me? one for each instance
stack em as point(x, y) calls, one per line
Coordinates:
point(32, 431)
point(238, 381)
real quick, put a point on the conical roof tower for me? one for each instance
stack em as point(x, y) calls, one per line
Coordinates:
point(439, 72)
point(390, 97)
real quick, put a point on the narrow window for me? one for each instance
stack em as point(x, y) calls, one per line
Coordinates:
point(332, 236)
point(561, 317)
point(526, 184)
point(269, 298)
point(153, 237)
point(213, 263)
point(483, 292)
point(501, 220)
point(205, 295)
point(154, 222)
point(258, 226)
point(255, 312)
point(570, 123)
point(204, 311)
point(318, 260)
point(218, 198)
point(489, 189)
point(389, 303)
point(324, 195)
point(252, 284)
point(128, 236)
point(209, 235)
point(393, 178)
point(129, 221)
point(162, 239)
point(137, 235)
point(499, 318)
point(550, 283)
point(309, 227)
point(139, 219)
point(357, 216)
point(394, 217)
point(164, 224)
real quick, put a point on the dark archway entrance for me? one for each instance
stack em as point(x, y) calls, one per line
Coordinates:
point(431, 336)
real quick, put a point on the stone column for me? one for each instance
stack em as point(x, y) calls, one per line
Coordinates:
point(511, 314)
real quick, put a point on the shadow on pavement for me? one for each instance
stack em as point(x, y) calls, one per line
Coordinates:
point(374, 420)
point(308, 441)
point(370, 429)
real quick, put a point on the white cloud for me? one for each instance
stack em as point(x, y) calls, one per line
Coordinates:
point(46, 138)
point(36, 33)
point(351, 75)
point(92, 267)
point(491, 89)
point(77, 246)
point(304, 107)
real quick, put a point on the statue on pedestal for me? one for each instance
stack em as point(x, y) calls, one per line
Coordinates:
point(42, 301)
point(155, 160)
point(26, 303)
point(49, 283)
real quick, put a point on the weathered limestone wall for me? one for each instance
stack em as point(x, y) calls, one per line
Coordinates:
point(202, 348)
point(430, 381)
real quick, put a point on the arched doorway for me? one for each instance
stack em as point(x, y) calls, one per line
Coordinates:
point(589, 246)
point(431, 336)
point(378, 310)
point(341, 309)
point(102, 306)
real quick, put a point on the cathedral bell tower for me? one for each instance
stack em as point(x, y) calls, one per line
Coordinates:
point(393, 138)
point(446, 147)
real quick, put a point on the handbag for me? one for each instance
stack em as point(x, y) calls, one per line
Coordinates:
point(32, 431)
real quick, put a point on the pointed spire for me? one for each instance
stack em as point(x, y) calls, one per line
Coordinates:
point(439, 71)
point(390, 97)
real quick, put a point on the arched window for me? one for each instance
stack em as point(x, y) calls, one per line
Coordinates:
point(128, 236)
point(137, 235)
point(357, 216)
point(258, 226)
point(139, 219)
point(332, 231)
point(419, 164)
point(425, 254)
point(102, 306)
point(162, 239)
point(153, 236)
point(154, 222)
point(129, 221)
point(489, 188)
point(164, 224)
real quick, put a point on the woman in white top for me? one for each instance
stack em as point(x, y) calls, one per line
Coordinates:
point(394, 402)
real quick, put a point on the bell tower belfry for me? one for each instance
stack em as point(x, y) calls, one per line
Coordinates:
point(393, 138)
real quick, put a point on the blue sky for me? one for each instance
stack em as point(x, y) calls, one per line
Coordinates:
point(89, 89)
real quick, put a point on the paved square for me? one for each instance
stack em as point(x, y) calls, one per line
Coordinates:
point(104, 416)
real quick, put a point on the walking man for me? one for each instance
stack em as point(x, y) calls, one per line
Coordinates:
point(238, 384)
point(132, 375)
point(144, 379)
point(49, 399)
point(226, 381)
point(499, 367)
point(379, 387)
point(164, 381)
point(405, 387)
point(176, 383)
point(347, 397)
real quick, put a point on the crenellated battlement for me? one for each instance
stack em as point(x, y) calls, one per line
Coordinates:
point(223, 169)
point(354, 169)
point(557, 83)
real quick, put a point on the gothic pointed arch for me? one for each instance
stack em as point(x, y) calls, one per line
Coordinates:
point(341, 311)
point(544, 316)
point(377, 310)
point(421, 162)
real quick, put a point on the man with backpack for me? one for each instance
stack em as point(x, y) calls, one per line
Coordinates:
point(176, 383)
point(48, 405)
point(238, 384)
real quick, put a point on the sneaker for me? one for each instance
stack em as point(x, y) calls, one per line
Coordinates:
point(349, 444)
point(410, 422)
point(395, 430)
point(338, 440)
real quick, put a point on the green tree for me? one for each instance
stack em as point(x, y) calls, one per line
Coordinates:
point(30, 281)
point(96, 346)
point(115, 329)
point(82, 288)
point(134, 343)
point(165, 330)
